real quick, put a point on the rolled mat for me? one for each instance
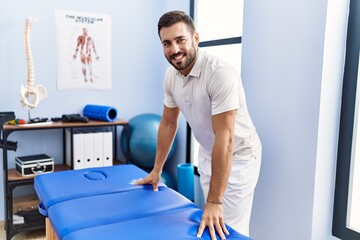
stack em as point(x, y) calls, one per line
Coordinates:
point(102, 113)
point(185, 178)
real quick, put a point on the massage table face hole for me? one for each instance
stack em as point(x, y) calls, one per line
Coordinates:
point(95, 175)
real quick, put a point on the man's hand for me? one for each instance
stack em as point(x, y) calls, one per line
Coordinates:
point(213, 219)
point(153, 178)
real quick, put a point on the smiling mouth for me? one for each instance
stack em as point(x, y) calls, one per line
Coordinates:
point(178, 57)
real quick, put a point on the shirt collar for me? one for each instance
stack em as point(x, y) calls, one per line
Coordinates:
point(196, 70)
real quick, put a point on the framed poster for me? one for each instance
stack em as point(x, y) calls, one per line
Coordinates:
point(83, 44)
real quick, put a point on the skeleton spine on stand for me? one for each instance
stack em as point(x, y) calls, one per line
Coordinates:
point(31, 94)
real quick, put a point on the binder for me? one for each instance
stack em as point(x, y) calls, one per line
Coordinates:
point(107, 149)
point(68, 147)
point(78, 150)
point(98, 149)
point(88, 141)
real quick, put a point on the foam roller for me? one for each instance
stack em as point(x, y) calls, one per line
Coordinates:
point(185, 177)
point(102, 113)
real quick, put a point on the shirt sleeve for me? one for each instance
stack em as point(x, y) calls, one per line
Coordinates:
point(168, 88)
point(224, 90)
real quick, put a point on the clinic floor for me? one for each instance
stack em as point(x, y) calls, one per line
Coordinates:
point(34, 235)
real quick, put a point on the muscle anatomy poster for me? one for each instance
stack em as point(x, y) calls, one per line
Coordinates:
point(83, 42)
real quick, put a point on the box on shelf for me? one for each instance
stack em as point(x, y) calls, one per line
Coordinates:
point(25, 203)
point(34, 164)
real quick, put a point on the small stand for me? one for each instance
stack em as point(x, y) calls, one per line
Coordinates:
point(36, 120)
point(4, 117)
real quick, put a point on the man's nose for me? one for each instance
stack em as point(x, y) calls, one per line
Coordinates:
point(175, 48)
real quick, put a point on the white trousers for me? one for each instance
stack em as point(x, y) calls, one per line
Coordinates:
point(238, 197)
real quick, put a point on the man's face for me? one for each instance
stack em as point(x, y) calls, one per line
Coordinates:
point(180, 46)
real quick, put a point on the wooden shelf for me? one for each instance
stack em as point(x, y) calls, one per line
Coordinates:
point(14, 175)
point(60, 124)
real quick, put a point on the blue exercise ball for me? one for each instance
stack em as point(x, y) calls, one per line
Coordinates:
point(168, 180)
point(143, 139)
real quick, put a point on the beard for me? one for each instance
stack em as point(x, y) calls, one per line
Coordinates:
point(188, 58)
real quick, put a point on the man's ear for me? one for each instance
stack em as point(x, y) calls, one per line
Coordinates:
point(196, 38)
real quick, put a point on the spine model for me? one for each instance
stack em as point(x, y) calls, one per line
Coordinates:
point(31, 94)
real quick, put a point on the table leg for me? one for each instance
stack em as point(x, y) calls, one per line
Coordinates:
point(50, 234)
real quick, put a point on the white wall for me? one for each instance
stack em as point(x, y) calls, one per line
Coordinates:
point(292, 73)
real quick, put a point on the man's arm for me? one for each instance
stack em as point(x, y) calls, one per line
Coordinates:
point(223, 126)
point(166, 133)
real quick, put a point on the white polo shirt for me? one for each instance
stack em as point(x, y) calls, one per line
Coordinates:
point(212, 87)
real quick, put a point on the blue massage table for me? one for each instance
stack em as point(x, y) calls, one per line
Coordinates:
point(103, 203)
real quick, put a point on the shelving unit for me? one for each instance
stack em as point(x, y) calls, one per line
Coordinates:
point(12, 179)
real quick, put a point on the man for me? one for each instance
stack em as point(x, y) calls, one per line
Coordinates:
point(210, 95)
point(86, 46)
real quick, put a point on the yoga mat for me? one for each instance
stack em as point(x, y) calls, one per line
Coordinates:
point(185, 178)
point(102, 113)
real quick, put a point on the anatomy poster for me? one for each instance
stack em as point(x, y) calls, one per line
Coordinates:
point(83, 42)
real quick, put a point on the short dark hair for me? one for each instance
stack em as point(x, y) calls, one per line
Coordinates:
point(172, 17)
